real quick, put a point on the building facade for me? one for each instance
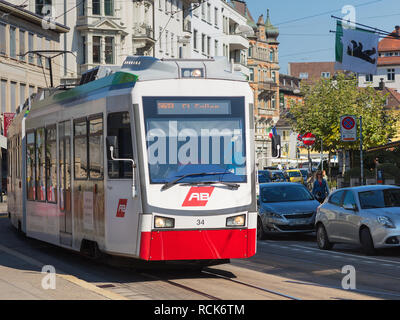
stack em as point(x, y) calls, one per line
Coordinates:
point(309, 72)
point(21, 75)
point(263, 64)
point(388, 69)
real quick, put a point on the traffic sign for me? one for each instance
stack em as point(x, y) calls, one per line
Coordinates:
point(309, 139)
point(348, 128)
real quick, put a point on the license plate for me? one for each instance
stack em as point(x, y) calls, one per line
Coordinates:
point(299, 222)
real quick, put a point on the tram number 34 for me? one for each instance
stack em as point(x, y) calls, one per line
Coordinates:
point(200, 222)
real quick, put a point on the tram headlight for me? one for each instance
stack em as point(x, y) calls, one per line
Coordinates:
point(162, 222)
point(236, 221)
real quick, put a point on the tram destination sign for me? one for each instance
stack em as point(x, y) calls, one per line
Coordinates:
point(194, 107)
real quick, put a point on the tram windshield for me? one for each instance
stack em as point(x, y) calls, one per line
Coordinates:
point(186, 136)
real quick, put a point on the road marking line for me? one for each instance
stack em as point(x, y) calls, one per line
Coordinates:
point(353, 255)
point(65, 276)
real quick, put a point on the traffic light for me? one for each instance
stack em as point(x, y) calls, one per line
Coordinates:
point(276, 146)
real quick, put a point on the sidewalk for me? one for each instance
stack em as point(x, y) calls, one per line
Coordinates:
point(3, 208)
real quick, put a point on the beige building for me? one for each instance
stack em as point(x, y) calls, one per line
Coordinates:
point(20, 76)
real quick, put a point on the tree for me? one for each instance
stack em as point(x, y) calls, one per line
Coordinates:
point(329, 99)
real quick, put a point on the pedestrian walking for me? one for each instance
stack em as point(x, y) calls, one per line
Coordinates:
point(320, 188)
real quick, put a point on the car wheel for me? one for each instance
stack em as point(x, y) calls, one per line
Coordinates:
point(366, 242)
point(322, 238)
point(260, 230)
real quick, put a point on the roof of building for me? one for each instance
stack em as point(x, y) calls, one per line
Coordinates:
point(391, 42)
point(20, 12)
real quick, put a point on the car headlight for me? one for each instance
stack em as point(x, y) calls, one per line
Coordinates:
point(162, 222)
point(237, 221)
point(273, 215)
point(386, 222)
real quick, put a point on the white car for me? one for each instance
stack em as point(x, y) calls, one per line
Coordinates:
point(367, 215)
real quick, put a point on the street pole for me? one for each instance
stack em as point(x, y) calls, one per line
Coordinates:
point(322, 156)
point(361, 153)
point(309, 160)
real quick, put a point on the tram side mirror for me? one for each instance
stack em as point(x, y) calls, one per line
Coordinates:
point(112, 141)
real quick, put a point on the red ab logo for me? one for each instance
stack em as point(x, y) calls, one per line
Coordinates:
point(198, 197)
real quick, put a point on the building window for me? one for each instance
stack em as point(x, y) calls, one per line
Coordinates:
point(203, 11)
point(30, 47)
point(96, 49)
point(391, 74)
point(303, 75)
point(172, 45)
point(203, 43)
point(216, 17)
point(95, 6)
point(369, 78)
point(13, 96)
point(22, 44)
point(251, 77)
point(273, 102)
point(43, 7)
point(83, 50)
point(3, 90)
point(39, 46)
point(51, 166)
point(108, 7)
point(2, 38)
point(47, 47)
point(13, 41)
point(109, 50)
point(195, 39)
point(208, 13)
point(326, 75)
point(22, 88)
point(208, 45)
point(216, 48)
point(273, 75)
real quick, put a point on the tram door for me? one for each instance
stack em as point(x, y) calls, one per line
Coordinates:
point(64, 134)
point(122, 209)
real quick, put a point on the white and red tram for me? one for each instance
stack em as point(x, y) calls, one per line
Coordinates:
point(152, 160)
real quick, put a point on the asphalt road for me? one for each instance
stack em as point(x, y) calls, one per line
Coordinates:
point(282, 269)
point(298, 257)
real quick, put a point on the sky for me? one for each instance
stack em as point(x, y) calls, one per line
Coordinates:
point(304, 25)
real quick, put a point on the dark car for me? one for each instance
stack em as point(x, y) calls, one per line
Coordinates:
point(279, 176)
point(285, 208)
point(264, 176)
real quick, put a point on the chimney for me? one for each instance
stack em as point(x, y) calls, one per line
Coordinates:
point(381, 84)
point(397, 31)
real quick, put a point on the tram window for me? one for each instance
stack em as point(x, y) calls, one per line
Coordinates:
point(51, 169)
point(96, 147)
point(30, 166)
point(40, 165)
point(64, 137)
point(80, 149)
point(119, 125)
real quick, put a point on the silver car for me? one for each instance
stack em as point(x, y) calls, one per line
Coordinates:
point(368, 215)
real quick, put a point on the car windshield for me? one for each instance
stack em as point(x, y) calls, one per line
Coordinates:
point(294, 174)
point(379, 198)
point(285, 193)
